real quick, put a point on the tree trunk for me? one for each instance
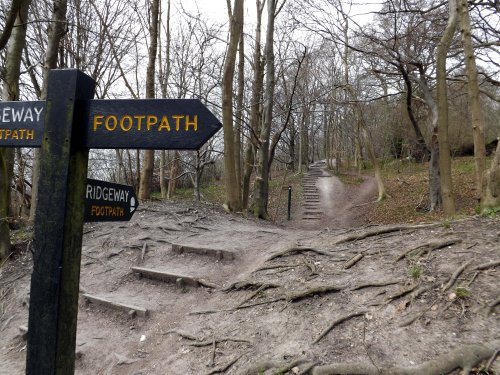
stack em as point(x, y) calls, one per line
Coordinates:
point(491, 191)
point(163, 175)
point(442, 99)
point(261, 187)
point(57, 29)
point(149, 155)
point(474, 99)
point(255, 108)
point(239, 113)
point(233, 200)
point(382, 194)
point(10, 92)
point(174, 171)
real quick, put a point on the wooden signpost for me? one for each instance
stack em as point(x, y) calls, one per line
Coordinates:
point(66, 126)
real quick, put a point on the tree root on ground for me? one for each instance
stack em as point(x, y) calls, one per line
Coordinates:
point(376, 284)
point(297, 296)
point(298, 250)
point(201, 344)
point(337, 322)
point(245, 284)
point(464, 357)
point(434, 244)
point(486, 266)
point(223, 369)
point(376, 231)
point(455, 275)
point(283, 368)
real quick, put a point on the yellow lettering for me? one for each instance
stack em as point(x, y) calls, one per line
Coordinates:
point(108, 120)
point(22, 131)
point(122, 123)
point(30, 133)
point(177, 121)
point(98, 121)
point(8, 132)
point(164, 124)
point(193, 123)
point(1, 133)
point(139, 120)
point(151, 120)
point(15, 135)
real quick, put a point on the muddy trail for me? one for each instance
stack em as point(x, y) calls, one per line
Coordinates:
point(184, 288)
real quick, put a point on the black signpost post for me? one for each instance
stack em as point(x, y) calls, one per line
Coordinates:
point(66, 126)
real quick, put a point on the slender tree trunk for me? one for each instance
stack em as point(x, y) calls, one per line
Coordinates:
point(163, 175)
point(442, 99)
point(491, 183)
point(57, 29)
point(239, 113)
point(435, 197)
point(233, 196)
point(255, 108)
point(174, 171)
point(261, 187)
point(474, 99)
point(149, 155)
point(10, 92)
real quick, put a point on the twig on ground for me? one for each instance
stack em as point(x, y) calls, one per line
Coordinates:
point(351, 262)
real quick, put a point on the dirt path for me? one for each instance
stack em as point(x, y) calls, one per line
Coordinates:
point(238, 296)
point(329, 203)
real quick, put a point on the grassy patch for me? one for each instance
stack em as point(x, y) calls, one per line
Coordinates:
point(408, 187)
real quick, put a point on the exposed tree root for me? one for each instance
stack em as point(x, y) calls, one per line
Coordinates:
point(400, 294)
point(294, 250)
point(184, 335)
point(381, 230)
point(218, 341)
point(297, 296)
point(351, 262)
point(276, 266)
point(283, 368)
point(455, 275)
point(465, 357)
point(434, 244)
point(486, 266)
point(223, 369)
point(261, 289)
point(376, 284)
point(245, 284)
point(337, 322)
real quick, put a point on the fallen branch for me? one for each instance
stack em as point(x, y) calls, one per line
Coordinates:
point(465, 357)
point(351, 262)
point(455, 275)
point(434, 244)
point(337, 322)
point(184, 335)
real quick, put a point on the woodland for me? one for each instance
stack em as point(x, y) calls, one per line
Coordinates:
point(350, 86)
point(340, 82)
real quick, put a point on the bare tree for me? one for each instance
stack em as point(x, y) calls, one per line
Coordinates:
point(233, 197)
point(10, 92)
point(149, 155)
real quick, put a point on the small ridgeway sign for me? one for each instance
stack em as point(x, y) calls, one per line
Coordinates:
point(21, 124)
point(65, 127)
point(107, 201)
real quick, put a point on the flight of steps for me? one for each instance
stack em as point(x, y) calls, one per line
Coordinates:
point(311, 207)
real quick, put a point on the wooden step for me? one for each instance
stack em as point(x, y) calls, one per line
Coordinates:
point(168, 277)
point(129, 309)
point(216, 253)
